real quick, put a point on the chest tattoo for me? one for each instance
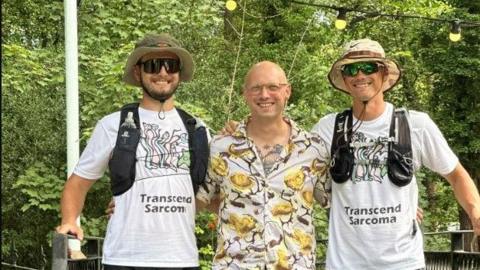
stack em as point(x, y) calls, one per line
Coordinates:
point(270, 154)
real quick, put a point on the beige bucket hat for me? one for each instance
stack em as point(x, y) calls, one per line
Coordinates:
point(363, 50)
point(158, 43)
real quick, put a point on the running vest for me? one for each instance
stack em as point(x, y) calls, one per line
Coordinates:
point(399, 161)
point(122, 162)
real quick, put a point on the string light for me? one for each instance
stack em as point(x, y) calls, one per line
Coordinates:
point(231, 5)
point(341, 21)
point(455, 31)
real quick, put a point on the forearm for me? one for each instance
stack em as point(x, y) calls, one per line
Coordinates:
point(465, 194)
point(73, 198)
point(465, 191)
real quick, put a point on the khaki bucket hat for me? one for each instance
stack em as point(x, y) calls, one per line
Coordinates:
point(158, 43)
point(363, 50)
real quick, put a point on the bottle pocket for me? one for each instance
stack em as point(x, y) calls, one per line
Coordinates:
point(122, 170)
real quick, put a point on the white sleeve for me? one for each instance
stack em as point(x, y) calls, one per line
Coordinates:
point(213, 180)
point(435, 152)
point(324, 129)
point(94, 159)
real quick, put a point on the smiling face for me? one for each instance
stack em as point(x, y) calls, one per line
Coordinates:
point(364, 87)
point(158, 86)
point(266, 91)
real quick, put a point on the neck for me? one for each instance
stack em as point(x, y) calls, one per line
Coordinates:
point(268, 131)
point(155, 105)
point(373, 109)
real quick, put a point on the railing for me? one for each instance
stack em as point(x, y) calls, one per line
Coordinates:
point(456, 258)
point(92, 250)
point(14, 256)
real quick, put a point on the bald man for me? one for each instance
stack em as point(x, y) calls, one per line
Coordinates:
point(265, 174)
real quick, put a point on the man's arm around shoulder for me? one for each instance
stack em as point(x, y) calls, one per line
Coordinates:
point(71, 204)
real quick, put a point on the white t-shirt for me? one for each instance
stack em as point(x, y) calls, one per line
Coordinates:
point(154, 221)
point(372, 220)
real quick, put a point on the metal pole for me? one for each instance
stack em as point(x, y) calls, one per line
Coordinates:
point(71, 69)
point(71, 80)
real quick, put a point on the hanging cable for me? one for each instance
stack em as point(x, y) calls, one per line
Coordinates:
point(298, 46)
point(252, 15)
point(236, 63)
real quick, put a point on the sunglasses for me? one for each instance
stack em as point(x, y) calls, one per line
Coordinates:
point(153, 66)
point(367, 68)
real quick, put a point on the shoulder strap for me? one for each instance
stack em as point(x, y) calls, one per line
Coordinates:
point(399, 127)
point(189, 122)
point(400, 155)
point(342, 162)
point(342, 130)
point(123, 159)
point(198, 147)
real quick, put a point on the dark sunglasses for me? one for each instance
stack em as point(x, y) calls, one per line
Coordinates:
point(367, 68)
point(153, 66)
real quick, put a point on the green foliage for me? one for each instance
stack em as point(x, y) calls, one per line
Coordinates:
point(94, 226)
point(321, 231)
point(41, 186)
point(32, 154)
point(205, 231)
point(33, 23)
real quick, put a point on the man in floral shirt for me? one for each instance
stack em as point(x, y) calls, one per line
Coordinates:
point(266, 174)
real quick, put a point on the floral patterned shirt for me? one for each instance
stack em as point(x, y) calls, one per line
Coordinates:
point(265, 220)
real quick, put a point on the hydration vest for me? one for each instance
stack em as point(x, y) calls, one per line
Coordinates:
point(123, 160)
point(399, 162)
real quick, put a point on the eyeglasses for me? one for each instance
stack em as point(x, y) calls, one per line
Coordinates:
point(367, 68)
point(153, 66)
point(271, 87)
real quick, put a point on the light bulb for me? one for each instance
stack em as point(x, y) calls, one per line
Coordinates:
point(341, 21)
point(340, 24)
point(231, 5)
point(455, 31)
point(454, 37)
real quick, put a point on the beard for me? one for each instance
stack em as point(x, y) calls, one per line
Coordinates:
point(162, 97)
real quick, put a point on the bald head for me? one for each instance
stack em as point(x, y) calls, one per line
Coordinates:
point(264, 71)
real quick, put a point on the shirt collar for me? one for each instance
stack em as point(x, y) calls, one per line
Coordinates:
point(295, 135)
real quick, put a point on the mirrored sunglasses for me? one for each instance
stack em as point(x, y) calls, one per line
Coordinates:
point(153, 66)
point(367, 68)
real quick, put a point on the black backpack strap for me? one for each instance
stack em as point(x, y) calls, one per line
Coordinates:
point(189, 122)
point(400, 155)
point(342, 130)
point(123, 160)
point(198, 147)
point(341, 153)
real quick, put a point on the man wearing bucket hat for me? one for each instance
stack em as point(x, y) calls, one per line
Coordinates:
point(374, 192)
point(153, 224)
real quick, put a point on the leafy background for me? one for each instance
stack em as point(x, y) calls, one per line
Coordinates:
point(440, 78)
